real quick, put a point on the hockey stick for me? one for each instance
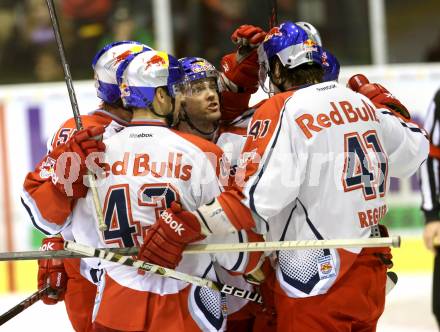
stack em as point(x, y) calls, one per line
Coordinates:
point(60, 254)
point(273, 17)
point(221, 247)
point(293, 245)
point(68, 78)
point(26, 303)
point(162, 271)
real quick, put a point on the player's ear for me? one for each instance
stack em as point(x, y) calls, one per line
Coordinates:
point(161, 95)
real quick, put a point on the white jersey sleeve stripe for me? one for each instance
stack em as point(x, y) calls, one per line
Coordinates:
point(264, 161)
point(289, 219)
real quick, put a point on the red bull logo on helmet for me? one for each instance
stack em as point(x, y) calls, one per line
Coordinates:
point(324, 59)
point(159, 60)
point(118, 58)
point(125, 91)
point(201, 66)
point(309, 45)
point(275, 31)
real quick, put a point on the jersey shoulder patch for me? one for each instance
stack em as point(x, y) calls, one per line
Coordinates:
point(68, 128)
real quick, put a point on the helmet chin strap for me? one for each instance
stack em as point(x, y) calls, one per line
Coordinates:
point(274, 88)
point(187, 119)
point(170, 116)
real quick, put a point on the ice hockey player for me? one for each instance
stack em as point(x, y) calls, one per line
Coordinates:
point(203, 80)
point(232, 136)
point(148, 166)
point(48, 203)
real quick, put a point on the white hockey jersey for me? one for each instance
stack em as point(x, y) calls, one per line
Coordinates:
point(328, 153)
point(147, 167)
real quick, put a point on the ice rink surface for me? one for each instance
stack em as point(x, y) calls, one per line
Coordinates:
point(407, 310)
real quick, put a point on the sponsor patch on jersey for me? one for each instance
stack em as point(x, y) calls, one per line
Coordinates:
point(326, 267)
point(47, 169)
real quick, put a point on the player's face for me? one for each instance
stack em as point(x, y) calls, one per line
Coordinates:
point(203, 104)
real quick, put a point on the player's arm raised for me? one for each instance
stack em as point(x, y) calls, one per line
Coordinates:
point(405, 142)
point(239, 74)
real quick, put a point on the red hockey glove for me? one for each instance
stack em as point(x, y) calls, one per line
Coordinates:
point(165, 241)
point(248, 35)
point(240, 69)
point(378, 94)
point(266, 313)
point(51, 272)
point(67, 170)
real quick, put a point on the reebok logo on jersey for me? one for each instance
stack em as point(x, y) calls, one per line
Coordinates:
point(178, 228)
point(328, 87)
point(140, 135)
point(58, 283)
point(47, 246)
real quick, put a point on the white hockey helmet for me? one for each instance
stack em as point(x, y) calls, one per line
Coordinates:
point(312, 32)
point(140, 74)
point(105, 64)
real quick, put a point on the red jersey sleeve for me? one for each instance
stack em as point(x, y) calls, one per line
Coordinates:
point(49, 209)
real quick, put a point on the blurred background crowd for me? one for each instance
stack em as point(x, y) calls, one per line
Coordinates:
point(201, 27)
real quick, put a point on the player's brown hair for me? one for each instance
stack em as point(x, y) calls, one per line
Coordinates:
point(107, 106)
point(301, 75)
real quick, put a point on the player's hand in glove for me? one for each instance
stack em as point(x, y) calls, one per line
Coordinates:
point(247, 38)
point(265, 314)
point(69, 172)
point(239, 76)
point(378, 94)
point(240, 69)
point(51, 272)
point(165, 241)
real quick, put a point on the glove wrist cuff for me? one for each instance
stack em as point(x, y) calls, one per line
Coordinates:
point(213, 219)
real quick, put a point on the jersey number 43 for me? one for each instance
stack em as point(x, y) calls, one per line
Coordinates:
point(122, 229)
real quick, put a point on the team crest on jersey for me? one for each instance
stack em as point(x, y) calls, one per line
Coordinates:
point(326, 267)
point(224, 167)
point(47, 169)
